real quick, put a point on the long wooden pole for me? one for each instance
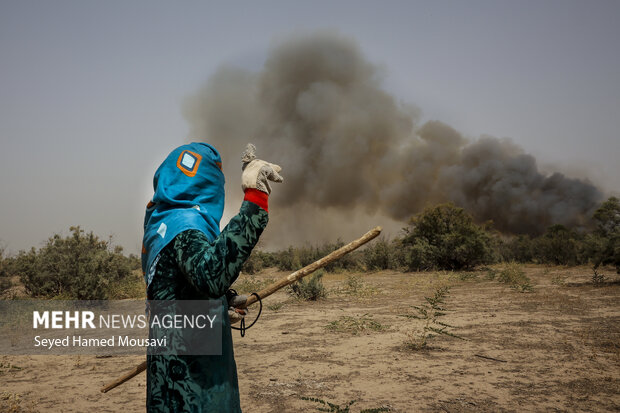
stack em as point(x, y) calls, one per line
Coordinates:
point(270, 289)
point(309, 269)
point(128, 376)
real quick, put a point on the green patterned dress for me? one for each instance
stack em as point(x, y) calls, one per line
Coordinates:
point(193, 268)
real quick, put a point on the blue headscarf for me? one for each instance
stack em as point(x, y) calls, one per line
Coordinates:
point(189, 194)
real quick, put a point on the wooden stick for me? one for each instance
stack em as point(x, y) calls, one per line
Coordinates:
point(309, 269)
point(490, 358)
point(134, 372)
point(270, 289)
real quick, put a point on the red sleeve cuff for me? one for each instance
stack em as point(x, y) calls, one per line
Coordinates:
point(257, 197)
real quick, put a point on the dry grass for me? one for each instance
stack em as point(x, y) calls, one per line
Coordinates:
point(248, 284)
point(14, 403)
point(354, 285)
point(556, 348)
point(355, 324)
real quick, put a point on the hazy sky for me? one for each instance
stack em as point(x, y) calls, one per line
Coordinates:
point(91, 92)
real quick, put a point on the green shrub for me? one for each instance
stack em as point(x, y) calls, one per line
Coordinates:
point(380, 255)
point(519, 248)
point(429, 314)
point(309, 289)
point(253, 264)
point(131, 286)
point(420, 255)
point(135, 262)
point(5, 284)
point(258, 260)
point(603, 245)
point(513, 275)
point(275, 307)
point(80, 266)
point(288, 260)
point(354, 285)
point(445, 237)
point(559, 246)
point(5, 281)
point(295, 258)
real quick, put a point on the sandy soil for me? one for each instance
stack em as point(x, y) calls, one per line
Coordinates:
point(556, 348)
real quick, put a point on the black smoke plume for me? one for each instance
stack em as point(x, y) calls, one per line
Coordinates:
point(353, 156)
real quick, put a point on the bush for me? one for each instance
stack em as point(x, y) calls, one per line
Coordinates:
point(135, 262)
point(559, 246)
point(80, 266)
point(288, 260)
point(603, 245)
point(513, 275)
point(349, 262)
point(258, 260)
point(380, 255)
point(445, 237)
point(312, 289)
point(132, 286)
point(295, 258)
point(519, 249)
point(5, 281)
point(253, 264)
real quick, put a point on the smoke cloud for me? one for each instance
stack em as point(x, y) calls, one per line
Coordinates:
point(353, 156)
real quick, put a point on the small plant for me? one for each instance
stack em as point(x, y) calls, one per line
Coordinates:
point(429, 313)
point(354, 285)
point(513, 275)
point(250, 284)
point(597, 277)
point(335, 408)
point(329, 407)
point(491, 274)
point(467, 275)
point(312, 289)
point(275, 307)
point(10, 402)
point(355, 325)
point(9, 366)
point(13, 403)
point(558, 279)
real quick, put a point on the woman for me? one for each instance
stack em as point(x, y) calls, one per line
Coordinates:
point(185, 257)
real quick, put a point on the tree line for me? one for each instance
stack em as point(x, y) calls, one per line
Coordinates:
point(442, 237)
point(445, 237)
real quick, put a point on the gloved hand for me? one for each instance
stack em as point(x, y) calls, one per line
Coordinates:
point(236, 312)
point(258, 173)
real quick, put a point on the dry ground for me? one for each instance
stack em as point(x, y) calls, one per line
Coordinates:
point(556, 348)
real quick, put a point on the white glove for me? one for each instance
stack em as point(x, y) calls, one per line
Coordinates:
point(258, 173)
point(235, 313)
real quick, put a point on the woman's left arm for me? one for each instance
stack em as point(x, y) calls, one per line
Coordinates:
point(212, 266)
